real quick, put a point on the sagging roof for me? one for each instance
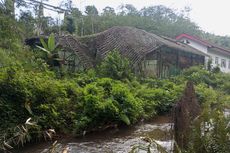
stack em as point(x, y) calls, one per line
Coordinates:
point(134, 43)
point(209, 45)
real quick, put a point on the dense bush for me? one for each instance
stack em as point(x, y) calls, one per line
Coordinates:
point(109, 102)
point(160, 93)
point(85, 101)
point(9, 32)
point(90, 100)
point(198, 75)
point(115, 66)
point(80, 103)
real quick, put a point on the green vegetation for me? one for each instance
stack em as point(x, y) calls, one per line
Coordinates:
point(210, 132)
point(211, 129)
point(115, 67)
point(50, 50)
point(87, 101)
point(108, 96)
point(82, 102)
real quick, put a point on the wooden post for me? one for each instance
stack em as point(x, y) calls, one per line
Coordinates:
point(191, 59)
point(177, 59)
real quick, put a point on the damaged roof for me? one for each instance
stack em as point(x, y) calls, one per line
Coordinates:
point(132, 43)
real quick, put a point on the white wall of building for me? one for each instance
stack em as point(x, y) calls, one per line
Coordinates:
point(218, 59)
point(196, 45)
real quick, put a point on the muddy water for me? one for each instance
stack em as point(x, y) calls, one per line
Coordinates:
point(227, 112)
point(121, 140)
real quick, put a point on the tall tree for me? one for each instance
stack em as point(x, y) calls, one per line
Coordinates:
point(28, 22)
point(69, 24)
point(128, 9)
point(77, 18)
point(108, 11)
point(92, 13)
point(71, 17)
point(159, 12)
point(9, 5)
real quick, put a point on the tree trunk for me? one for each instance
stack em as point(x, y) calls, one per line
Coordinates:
point(92, 20)
point(10, 10)
point(82, 26)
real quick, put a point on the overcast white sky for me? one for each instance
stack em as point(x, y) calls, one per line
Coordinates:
point(211, 15)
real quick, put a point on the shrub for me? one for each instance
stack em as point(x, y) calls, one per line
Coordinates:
point(161, 93)
point(106, 102)
point(115, 66)
point(210, 132)
point(66, 104)
point(146, 95)
point(200, 75)
point(85, 102)
point(206, 94)
point(126, 102)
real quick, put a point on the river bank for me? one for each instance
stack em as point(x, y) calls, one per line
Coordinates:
point(113, 140)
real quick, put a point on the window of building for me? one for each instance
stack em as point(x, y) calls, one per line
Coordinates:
point(187, 42)
point(223, 63)
point(216, 60)
point(229, 64)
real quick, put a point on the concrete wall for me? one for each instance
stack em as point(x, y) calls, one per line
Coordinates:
point(220, 57)
point(196, 45)
point(213, 55)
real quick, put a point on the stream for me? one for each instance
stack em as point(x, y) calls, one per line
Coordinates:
point(121, 140)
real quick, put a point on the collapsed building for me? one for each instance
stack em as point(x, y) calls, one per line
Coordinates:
point(149, 54)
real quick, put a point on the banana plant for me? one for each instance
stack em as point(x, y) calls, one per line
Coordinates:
point(50, 48)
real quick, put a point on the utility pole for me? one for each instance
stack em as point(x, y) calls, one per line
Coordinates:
point(40, 18)
point(40, 12)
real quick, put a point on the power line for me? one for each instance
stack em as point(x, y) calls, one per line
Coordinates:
point(47, 6)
